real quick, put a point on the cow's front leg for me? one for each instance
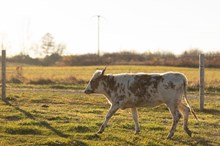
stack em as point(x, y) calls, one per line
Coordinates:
point(135, 118)
point(112, 110)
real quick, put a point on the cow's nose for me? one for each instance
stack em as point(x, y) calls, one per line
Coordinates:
point(88, 91)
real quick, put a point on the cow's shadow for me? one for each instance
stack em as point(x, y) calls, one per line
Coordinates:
point(42, 123)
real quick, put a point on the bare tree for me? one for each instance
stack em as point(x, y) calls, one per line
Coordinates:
point(48, 44)
point(59, 48)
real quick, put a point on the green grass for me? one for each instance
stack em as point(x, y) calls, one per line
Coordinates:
point(47, 118)
point(53, 114)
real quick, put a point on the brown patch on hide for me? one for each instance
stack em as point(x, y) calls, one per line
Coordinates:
point(110, 84)
point(120, 98)
point(94, 83)
point(144, 82)
point(170, 85)
point(138, 89)
point(122, 88)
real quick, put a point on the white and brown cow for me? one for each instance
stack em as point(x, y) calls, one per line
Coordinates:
point(143, 90)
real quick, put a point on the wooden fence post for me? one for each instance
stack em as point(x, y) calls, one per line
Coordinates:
point(201, 81)
point(4, 75)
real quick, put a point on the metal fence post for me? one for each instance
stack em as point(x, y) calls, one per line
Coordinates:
point(201, 81)
point(4, 75)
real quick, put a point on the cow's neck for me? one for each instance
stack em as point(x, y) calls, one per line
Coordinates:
point(108, 85)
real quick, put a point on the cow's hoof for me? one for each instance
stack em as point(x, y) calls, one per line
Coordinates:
point(169, 136)
point(100, 132)
point(189, 133)
point(137, 132)
point(186, 129)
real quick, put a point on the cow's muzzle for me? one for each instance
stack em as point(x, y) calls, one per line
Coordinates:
point(88, 91)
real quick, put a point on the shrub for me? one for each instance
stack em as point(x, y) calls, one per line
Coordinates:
point(41, 81)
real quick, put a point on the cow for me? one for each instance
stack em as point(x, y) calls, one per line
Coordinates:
point(133, 90)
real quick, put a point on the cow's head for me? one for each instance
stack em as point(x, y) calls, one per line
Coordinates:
point(94, 82)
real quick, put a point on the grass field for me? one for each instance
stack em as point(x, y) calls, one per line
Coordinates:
point(57, 115)
point(57, 119)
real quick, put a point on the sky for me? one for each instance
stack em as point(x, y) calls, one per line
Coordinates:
point(125, 25)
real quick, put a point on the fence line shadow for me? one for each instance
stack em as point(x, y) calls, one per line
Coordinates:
point(43, 123)
point(212, 111)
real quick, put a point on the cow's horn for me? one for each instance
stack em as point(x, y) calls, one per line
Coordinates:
point(103, 71)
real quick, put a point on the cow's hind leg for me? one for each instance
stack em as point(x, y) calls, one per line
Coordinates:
point(112, 110)
point(185, 112)
point(135, 118)
point(176, 116)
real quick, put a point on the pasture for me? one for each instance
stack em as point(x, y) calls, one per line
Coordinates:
point(47, 118)
point(60, 114)
point(81, 75)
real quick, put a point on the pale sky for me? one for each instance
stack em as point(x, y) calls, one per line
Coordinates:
point(126, 25)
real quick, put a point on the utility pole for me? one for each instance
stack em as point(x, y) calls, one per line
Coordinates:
point(26, 36)
point(98, 45)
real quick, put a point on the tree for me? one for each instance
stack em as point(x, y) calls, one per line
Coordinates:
point(48, 45)
point(59, 48)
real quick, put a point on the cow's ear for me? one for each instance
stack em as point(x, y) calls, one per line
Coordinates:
point(103, 71)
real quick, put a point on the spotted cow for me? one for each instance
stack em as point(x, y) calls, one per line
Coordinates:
point(131, 90)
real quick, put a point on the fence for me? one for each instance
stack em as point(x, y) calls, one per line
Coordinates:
point(69, 75)
point(4, 75)
point(201, 81)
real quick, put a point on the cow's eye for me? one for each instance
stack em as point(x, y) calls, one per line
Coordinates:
point(94, 83)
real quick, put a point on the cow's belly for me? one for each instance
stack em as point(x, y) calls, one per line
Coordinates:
point(150, 103)
point(131, 102)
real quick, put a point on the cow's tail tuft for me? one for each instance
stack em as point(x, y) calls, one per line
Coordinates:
point(187, 102)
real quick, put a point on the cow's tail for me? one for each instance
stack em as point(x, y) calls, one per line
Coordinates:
point(187, 102)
